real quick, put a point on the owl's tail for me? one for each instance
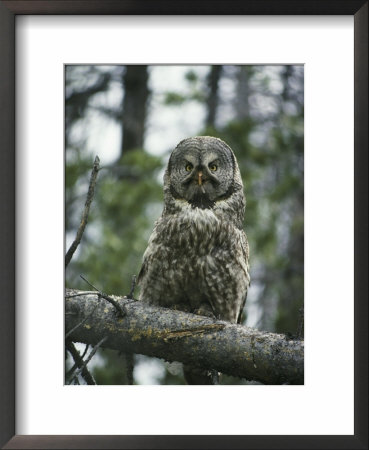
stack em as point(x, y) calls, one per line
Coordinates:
point(200, 376)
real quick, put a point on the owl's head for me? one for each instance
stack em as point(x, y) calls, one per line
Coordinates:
point(202, 170)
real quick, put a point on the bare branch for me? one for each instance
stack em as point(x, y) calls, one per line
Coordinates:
point(90, 356)
point(81, 293)
point(192, 339)
point(79, 363)
point(74, 367)
point(86, 210)
point(121, 309)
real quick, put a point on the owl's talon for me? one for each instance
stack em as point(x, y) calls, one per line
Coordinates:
point(181, 307)
point(205, 310)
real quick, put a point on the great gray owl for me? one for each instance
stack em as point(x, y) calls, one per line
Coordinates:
point(197, 256)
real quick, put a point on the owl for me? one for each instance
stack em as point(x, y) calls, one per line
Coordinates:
point(197, 258)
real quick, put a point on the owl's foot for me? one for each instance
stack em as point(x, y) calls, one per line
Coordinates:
point(205, 310)
point(185, 307)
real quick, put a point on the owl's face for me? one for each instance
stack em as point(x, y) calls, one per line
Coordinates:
point(201, 171)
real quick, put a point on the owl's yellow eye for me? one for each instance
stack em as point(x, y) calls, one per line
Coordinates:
point(189, 167)
point(213, 167)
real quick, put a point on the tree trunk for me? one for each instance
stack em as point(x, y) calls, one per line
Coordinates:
point(212, 99)
point(136, 94)
point(177, 336)
point(243, 92)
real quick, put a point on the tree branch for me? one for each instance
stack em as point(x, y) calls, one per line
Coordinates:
point(88, 359)
point(86, 210)
point(177, 336)
point(78, 359)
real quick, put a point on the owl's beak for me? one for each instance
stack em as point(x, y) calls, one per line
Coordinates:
point(199, 178)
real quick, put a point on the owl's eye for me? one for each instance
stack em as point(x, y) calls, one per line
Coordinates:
point(189, 167)
point(213, 167)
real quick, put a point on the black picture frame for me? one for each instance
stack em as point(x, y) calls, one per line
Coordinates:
point(8, 12)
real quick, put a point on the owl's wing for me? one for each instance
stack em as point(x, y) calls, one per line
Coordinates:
point(147, 256)
point(245, 254)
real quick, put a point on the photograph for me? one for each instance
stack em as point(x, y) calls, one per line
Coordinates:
point(184, 224)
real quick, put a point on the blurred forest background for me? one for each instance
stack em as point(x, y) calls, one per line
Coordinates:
point(132, 117)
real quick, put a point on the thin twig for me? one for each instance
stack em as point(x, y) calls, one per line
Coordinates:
point(85, 351)
point(86, 210)
point(74, 367)
point(120, 308)
point(90, 284)
point(90, 356)
point(80, 363)
point(79, 294)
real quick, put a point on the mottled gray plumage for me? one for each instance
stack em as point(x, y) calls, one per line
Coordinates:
point(197, 255)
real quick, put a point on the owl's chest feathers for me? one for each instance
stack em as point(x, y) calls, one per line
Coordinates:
point(194, 230)
point(195, 255)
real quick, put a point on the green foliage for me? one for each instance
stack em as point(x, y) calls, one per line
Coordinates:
point(195, 91)
point(173, 98)
point(191, 76)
